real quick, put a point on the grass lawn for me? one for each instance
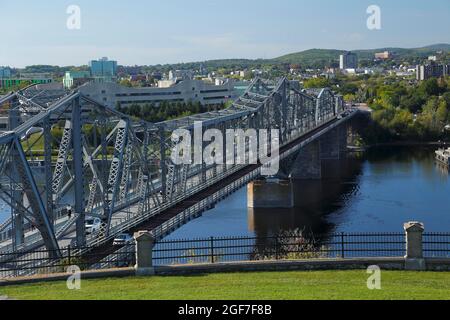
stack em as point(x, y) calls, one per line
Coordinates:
point(241, 286)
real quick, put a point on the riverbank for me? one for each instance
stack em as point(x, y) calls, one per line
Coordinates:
point(409, 144)
point(314, 285)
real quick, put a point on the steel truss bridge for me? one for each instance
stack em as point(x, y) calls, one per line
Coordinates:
point(66, 152)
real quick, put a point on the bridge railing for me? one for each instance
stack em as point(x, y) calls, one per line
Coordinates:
point(282, 247)
point(436, 244)
point(43, 262)
point(288, 246)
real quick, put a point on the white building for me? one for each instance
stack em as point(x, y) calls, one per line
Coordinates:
point(181, 75)
point(113, 94)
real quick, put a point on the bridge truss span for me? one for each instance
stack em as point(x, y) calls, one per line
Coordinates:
point(78, 162)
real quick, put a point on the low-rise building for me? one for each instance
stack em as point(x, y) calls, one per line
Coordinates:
point(76, 78)
point(113, 94)
point(181, 75)
point(6, 83)
point(383, 55)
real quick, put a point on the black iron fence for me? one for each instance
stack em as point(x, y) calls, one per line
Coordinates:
point(41, 262)
point(342, 245)
point(224, 249)
point(436, 245)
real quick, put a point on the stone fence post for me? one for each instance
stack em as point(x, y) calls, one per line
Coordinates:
point(144, 256)
point(414, 259)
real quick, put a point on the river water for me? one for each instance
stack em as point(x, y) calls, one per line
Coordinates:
point(376, 191)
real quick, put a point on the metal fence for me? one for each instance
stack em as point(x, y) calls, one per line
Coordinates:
point(225, 249)
point(343, 245)
point(436, 245)
point(41, 262)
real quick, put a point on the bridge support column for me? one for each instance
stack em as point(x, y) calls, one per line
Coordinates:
point(330, 145)
point(414, 259)
point(343, 140)
point(333, 147)
point(144, 253)
point(273, 193)
point(307, 166)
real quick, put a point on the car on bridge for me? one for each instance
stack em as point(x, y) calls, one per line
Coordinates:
point(123, 239)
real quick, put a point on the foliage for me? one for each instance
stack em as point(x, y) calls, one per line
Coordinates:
point(319, 58)
point(402, 109)
point(317, 83)
point(166, 110)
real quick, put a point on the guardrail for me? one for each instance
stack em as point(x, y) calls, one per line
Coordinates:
point(292, 247)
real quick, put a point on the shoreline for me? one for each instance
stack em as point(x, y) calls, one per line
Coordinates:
point(408, 143)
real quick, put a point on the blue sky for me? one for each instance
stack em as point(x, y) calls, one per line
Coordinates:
point(169, 31)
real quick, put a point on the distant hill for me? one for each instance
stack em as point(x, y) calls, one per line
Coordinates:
point(311, 57)
point(316, 58)
point(325, 56)
point(319, 58)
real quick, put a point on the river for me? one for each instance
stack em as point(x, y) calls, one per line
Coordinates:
point(376, 191)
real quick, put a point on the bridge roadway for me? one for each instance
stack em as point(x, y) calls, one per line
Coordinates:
point(106, 249)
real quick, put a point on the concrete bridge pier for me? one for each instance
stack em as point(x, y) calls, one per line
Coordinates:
point(270, 193)
point(307, 165)
point(333, 148)
point(333, 145)
point(316, 161)
point(319, 159)
point(343, 133)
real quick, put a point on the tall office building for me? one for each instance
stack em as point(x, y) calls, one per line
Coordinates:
point(348, 60)
point(431, 70)
point(5, 72)
point(103, 68)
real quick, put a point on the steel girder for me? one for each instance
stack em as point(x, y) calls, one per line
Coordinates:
point(40, 217)
point(115, 173)
point(58, 174)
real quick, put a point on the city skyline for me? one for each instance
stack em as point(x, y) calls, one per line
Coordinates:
point(160, 33)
